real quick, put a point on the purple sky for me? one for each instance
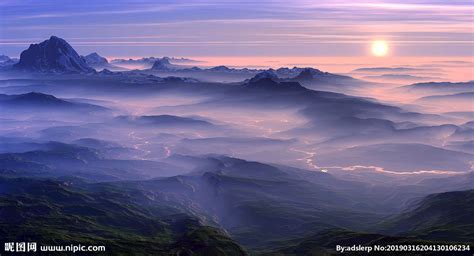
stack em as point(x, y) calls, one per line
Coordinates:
point(242, 28)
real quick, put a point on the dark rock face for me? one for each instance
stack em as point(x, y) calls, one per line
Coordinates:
point(52, 55)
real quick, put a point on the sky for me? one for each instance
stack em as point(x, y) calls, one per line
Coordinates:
point(236, 29)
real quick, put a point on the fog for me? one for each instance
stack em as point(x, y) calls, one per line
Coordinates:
point(221, 147)
point(155, 118)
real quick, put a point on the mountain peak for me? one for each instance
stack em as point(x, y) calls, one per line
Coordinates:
point(308, 73)
point(32, 98)
point(94, 54)
point(162, 64)
point(268, 80)
point(6, 61)
point(4, 58)
point(36, 96)
point(220, 68)
point(267, 74)
point(263, 79)
point(95, 59)
point(52, 55)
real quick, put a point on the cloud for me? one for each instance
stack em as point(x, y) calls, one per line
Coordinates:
point(422, 27)
point(388, 69)
point(404, 77)
point(124, 9)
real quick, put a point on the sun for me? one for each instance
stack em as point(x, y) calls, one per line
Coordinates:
point(379, 48)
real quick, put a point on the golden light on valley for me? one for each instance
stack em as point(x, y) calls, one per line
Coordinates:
point(379, 48)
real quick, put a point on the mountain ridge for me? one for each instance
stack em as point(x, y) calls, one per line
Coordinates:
point(52, 55)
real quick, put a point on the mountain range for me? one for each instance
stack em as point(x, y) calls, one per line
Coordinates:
point(99, 63)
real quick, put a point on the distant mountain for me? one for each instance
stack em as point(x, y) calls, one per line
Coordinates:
point(52, 55)
point(293, 72)
point(164, 121)
point(308, 77)
point(147, 62)
point(463, 101)
point(386, 69)
point(35, 100)
point(267, 74)
point(138, 63)
point(7, 62)
point(99, 63)
point(163, 65)
point(464, 96)
point(32, 97)
point(318, 80)
point(220, 69)
point(284, 74)
point(268, 80)
point(406, 77)
point(445, 216)
point(438, 88)
point(182, 60)
point(4, 58)
point(308, 74)
point(440, 85)
point(312, 77)
point(95, 59)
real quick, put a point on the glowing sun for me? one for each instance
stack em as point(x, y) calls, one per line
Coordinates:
point(379, 48)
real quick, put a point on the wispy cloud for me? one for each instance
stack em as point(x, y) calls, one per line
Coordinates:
point(135, 9)
point(336, 26)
